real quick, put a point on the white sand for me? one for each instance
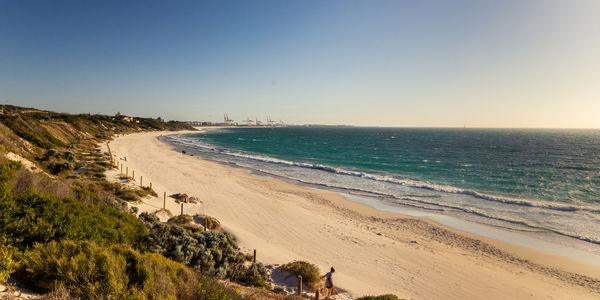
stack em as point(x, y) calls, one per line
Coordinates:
point(373, 252)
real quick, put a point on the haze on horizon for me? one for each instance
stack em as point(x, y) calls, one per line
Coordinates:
point(381, 63)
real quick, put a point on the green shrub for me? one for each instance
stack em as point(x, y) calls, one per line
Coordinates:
point(256, 275)
point(96, 168)
point(211, 252)
point(87, 271)
point(7, 172)
point(129, 195)
point(181, 220)
point(309, 272)
point(51, 153)
point(8, 261)
point(380, 297)
point(56, 167)
point(34, 217)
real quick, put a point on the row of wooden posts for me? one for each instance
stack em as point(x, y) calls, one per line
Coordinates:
point(205, 223)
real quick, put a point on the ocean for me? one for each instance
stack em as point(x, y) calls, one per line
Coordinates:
point(529, 180)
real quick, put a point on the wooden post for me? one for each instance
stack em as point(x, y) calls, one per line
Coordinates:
point(121, 169)
point(300, 285)
point(151, 185)
point(110, 153)
point(126, 171)
point(141, 182)
point(164, 199)
point(317, 294)
point(205, 224)
point(133, 175)
point(181, 208)
point(254, 257)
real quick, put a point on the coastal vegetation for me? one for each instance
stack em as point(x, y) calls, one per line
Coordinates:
point(88, 270)
point(310, 273)
point(212, 253)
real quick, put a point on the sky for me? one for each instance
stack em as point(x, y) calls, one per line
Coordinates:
point(472, 63)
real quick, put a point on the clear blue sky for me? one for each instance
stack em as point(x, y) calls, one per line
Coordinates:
point(387, 63)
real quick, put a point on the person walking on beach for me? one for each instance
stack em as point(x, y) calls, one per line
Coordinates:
point(329, 282)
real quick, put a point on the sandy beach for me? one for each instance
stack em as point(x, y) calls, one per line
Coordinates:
point(374, 252)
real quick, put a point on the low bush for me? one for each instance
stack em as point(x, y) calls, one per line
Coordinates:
point(88, 270)
point(181, 220)
point(105, 164)
point(8, 261)
point(211, 223)
point(212, 253)
point(256, 275)
point(51, 153)
point(309, 272)
point(96, 168)
point(146, 190)
point(59, 166)
point(34, 217)
point(128, 195)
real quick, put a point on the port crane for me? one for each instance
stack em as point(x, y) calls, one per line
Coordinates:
point(227, 119)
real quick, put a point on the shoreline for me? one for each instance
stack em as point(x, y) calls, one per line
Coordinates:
point(375, 252)
point(512, 232)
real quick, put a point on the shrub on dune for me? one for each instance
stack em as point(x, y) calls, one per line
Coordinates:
point(88, 270)
point(8, 261)
point(34, 217)
point(212, 253)
point(309, 272)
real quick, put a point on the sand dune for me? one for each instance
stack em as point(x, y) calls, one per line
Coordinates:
point(373, 252)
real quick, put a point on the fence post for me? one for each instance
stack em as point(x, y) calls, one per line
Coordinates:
point(110, 153)
point(133, 175)
point(126, 171)
point(300, 285)
point(205, 223)
point(182, 208)
point(150, 185)
point(141, 182)
point(121, 168)
point(254, 257)
point(164, 199)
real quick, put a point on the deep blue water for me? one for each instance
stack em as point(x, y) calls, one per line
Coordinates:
point(539, 178)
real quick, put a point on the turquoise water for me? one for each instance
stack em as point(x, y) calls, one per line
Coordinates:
point(540, 179)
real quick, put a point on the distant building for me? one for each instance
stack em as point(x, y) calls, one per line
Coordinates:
point(119, 116)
